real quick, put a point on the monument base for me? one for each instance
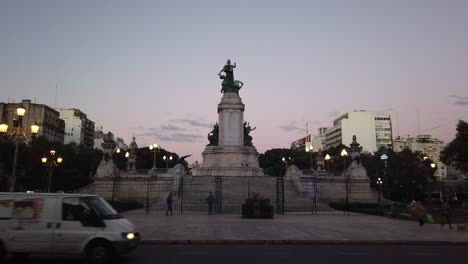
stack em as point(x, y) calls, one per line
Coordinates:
point(230, 161)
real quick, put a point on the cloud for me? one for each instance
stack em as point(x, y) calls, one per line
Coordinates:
point(182, 137)
point(193, 122)
point(461, 100)
point(172, 137)
point(171, 127)
point(292, 127)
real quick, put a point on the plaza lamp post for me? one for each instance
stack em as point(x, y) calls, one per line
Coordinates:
point(344, 153)
point(384, 157)
point(167, 159)
point(154, 148)
point(51, 162)
point(309, 149)
point(433, 166)
point(285, 160)
point(19, 134)
point(327, 161)
point(379, 183)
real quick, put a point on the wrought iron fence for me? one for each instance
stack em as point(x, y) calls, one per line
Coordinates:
point(313, 195)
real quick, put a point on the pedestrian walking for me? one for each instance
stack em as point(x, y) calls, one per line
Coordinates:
point(169, 203)
point(210, 200)
point(446, 214)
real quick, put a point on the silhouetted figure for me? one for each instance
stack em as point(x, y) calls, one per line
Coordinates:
point(446, 214)
point(210, 200)
point(169, 204)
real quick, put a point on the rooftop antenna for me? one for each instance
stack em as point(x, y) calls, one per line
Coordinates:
point(398, 124)
point(56, 91)
point(307, 128)
point(419, 125)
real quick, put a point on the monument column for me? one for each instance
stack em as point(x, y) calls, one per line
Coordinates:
point(230, 151)
point(231, 119)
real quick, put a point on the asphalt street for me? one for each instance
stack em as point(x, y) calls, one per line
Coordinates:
point(271, 254)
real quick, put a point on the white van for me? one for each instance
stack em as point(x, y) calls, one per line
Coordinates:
point(63, 223)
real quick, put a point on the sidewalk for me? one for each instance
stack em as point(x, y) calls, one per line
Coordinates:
point(313, 229)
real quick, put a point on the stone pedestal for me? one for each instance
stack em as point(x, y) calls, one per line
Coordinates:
point(230, 157)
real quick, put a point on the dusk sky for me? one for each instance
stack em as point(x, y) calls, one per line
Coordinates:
point(150, 68)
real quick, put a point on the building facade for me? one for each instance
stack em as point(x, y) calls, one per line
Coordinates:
point(51, 126)
point(372, 131)
point(427, 145)
point(78, 128)
point(302, 143)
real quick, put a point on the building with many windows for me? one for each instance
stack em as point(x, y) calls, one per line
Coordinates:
point(78, 128)
point(426, 145)
point(371, 130)
point(51, 126)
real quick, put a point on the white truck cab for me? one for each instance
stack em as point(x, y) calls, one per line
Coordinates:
point(63, 223)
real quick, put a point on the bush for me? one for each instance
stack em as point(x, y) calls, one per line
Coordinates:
point(257, 207)
point(122, 206)
point(363, 208)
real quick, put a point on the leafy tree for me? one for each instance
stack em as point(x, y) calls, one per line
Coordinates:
point(456, 152)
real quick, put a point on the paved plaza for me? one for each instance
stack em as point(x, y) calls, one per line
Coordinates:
point(320, 229)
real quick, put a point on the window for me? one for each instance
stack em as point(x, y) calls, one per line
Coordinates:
point(74, 209)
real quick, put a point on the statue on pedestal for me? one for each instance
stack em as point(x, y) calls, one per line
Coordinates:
point(229, 85)
point(213, 136)
point(247, 137)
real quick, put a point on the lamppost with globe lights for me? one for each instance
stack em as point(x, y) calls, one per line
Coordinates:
point(343, 154)
point(384, 157)
point(327, 161)
point(309, 149)
point(19, 134)
point(285, 160)
point(433, 166)
point(167, 159)
point(51, 162)
point(379, 183)
point(154, 148)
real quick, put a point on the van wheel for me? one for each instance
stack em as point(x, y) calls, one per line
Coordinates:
point(20, 255)
point(100, 252)
point(3, 252)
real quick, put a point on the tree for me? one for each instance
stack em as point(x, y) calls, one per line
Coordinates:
point(456, 152)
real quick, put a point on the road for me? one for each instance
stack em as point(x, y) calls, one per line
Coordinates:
point(272, 254)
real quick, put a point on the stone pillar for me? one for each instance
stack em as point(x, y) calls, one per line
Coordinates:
point(231, 120)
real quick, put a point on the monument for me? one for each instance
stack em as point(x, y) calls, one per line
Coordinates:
point(230, 151)
point(356, 170)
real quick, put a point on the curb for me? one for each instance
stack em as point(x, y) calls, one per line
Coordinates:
point(303, 242)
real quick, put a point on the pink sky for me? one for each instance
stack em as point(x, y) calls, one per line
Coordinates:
point(150, 68)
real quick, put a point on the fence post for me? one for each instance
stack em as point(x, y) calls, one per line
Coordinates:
point(181, 193)
point(218, 195)
point(113, 188)
point(277, 196)
point(148, 184)
point(315, 195)
point(280, 195)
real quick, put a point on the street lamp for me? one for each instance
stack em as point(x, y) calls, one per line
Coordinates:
point(309, 149)
point(285, 160)
point(344, 153)
point(327, 160)
point(384, 157)
point(19, 134)
point(50, 162)
point(154, 148)
point(167, 159)
point(379, 183)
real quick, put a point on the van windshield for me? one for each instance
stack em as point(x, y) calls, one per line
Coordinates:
point(101, 208)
